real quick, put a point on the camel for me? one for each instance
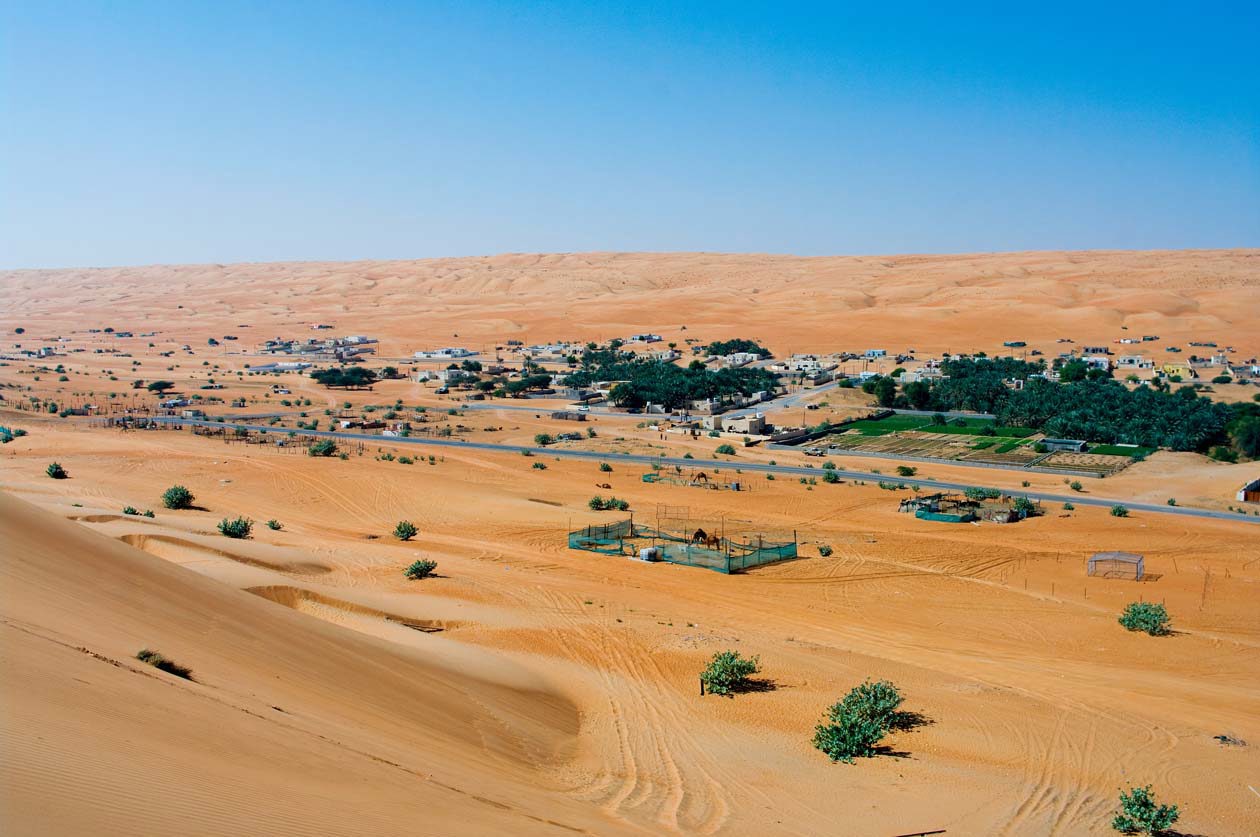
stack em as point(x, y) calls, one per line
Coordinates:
point(713, 542)
point(700, 536)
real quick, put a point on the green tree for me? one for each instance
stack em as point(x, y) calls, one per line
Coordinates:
point(1119, 511)
point(543, 439)
point(161, 386)
point(323, 447)
point(728, 672)
point(405, 530)
point(177, 497)
point(728, 450)
point(1141, 814)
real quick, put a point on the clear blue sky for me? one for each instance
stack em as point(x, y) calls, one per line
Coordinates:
point(137, 132)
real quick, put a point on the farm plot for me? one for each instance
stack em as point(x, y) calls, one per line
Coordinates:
point(1104, 465)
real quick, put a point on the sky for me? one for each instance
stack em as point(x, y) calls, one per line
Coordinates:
point(143, 133)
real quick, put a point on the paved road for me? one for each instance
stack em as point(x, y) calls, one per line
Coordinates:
point(754, 467)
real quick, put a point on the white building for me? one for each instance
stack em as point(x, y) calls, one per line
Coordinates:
point(871, 354)
point(445, 353)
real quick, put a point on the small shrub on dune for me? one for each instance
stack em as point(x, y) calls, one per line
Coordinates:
point(824, 550)
point(274, 525)
point(726, 450)
point(540, 466)
point(131, 510)
point(55, 471)
point(854, 726)
point(1140, 814)
point(239, 528)
point(420, 569)
point(159, 662)
point(1148, 617)
point(728, 672)
point(405, 530)
point(149, 513)
point(1119, 511)
point(177, 497)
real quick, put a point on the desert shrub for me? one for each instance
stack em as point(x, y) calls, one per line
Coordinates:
point(324, 447)
point(543, 439)
point(387, 457)
point(405, 460)
point(605, 467)
point(825, 550)
point(405, 530)
point(1172, 501)
point(1119, 511)
point(1024, 506)
point(8, 434)
point(728, 450)
point(177, 497)
point(1147, 617)
point(906, 471)
point(1075, 485)
point(831, 477)
point(598, 503)
point(159, 662)
point(1069, 507)
point(540, 466)
point(131, 510)
point(274, 525)
point(55, 471)
point(688, 455)
point(238, 528)
point(859, 721)
point(422, 568)
point(149, 513)
point(728, 672)
point(1140, 814)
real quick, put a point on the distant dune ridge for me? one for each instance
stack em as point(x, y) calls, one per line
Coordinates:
point(793, 303)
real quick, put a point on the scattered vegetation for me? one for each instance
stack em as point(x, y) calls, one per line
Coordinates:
point(906, 471)
point(1119, 511)
point(55, 471)
point(1140, 814)
point(543, 439)
point(540, 466)
point(405, 530)
point(131, 510)
point(351, 377)
point(825, 550)
point(274, 525)
point(1148, 617)
point(161, 663)
point(177, 497)
point(8, 434)
point(422, 568)
point(728, 672)
point(605, 467)
point(239, 528)
point(728, 450)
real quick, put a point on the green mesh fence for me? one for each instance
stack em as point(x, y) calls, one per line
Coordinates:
point(728, 555)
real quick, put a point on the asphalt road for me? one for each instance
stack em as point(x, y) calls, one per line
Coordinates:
point(753, 467)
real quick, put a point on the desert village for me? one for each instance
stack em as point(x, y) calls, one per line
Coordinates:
point(567, 472)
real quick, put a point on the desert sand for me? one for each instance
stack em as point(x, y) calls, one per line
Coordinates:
point(529, 688)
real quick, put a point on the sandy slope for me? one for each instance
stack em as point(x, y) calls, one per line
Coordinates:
point(290, 723)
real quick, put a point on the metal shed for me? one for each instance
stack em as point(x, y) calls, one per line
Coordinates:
point(1127, 565)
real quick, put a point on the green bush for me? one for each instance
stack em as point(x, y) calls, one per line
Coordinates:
point(1172, 501)
point(55, 471)
point(405, 530)
point(1024, 506)
point(274, 525)
point(131, 510)
point(238, 528)
point(420, 569)
point(1139, 813)
point(728, 672)
point(831, 477)
point(728, 450)
point(159, 662)
point(543, 439)
point(324, 447)
point(1075, 485)
point(825, 550)
point(1069, 507)
point(1148, 617)
point(858, 722)
point(406, 460)
point(149, 513)
point(1119, 511)
point(605, 467)
point(177, 497)
point(540, 466)
point(906, 471)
